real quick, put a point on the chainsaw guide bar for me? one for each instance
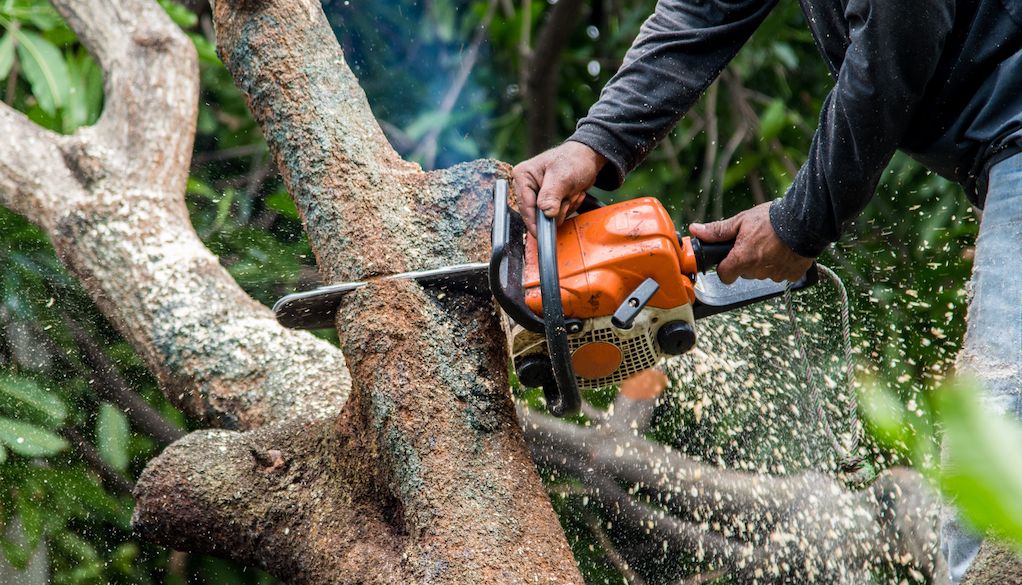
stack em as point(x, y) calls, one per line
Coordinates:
point(317, 308)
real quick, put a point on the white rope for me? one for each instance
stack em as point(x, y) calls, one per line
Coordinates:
point(849, 460)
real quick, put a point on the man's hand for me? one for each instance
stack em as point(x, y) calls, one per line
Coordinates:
point(559, 178)
point(758, 252)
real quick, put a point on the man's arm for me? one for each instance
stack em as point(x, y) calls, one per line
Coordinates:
point(680, 50)
point(894, 51)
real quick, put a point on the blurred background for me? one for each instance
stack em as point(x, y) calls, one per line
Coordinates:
point(451, 81)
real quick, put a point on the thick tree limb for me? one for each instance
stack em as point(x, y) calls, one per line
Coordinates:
point(32, 171)
point(149, 67)
point(111, 198)
point(284, 497)
point(804, 526)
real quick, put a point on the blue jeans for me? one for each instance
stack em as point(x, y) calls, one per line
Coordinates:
point(993, 340)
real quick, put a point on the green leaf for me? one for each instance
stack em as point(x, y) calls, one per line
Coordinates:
point(6, 55)
point(30, 506)
point(426, 122)
point(198, 187)
point(81, 108)
point(123, 558)
point(786, 55)
point(738, 171)
point(112, 435)
point(41, 15)
point(983, 470)
point(772, 121)
point(17, 392)
point(205, 49)
point(885, 415)
point(45, 69)
point(281, 203)
point(3, 454)
point(179, 14)
point(29, 440)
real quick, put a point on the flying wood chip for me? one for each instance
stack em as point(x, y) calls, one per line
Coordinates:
point(644, 385)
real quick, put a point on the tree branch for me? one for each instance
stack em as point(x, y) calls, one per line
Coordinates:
point(113, 479)
point(610, 551)
point(246, 497)
point(111, 386)
point(149, 66)
point(809, 517)
point(111, 198)
point(32, 170)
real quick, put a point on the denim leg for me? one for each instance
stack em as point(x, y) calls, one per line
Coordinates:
point(992, 350)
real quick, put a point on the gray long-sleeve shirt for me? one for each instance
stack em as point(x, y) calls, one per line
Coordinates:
point(939, 79)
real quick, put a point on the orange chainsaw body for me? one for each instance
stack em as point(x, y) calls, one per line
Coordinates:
point(605, 254)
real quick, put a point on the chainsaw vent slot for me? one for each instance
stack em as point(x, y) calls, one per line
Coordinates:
point(638, 352)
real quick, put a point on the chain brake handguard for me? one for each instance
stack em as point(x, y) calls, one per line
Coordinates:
point(507, 264)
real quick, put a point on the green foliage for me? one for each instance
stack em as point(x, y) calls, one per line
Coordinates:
point(112, 436)
point(29, 440)
point(44, 67)
point(48, 75)
point(981, 471)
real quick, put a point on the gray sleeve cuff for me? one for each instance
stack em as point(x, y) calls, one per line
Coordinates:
point(615, 151)
point(792, 231)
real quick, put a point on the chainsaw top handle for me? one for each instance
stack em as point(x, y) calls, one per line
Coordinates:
point(562, 396)
point(507, 264)
point(507, 261)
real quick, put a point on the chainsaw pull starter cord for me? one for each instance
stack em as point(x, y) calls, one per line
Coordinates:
point(850, 462)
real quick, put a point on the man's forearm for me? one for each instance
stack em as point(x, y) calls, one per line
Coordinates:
point(863, 120)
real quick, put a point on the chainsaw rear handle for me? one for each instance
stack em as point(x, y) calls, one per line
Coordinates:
point(562, 395)
point(710, 254)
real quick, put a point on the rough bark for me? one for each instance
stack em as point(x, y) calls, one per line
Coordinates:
point(424, 476)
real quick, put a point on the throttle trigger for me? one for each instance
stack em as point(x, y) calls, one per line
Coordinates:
point(625, 314)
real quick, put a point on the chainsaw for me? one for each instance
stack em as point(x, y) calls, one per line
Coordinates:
point(603, 297)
